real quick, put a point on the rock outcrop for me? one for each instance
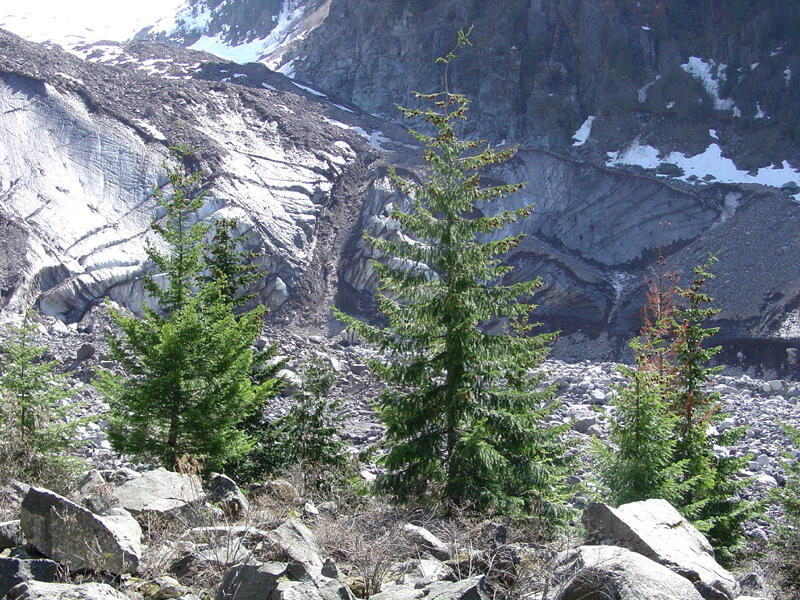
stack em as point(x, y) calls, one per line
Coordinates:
point(614, 572)
point(654, 529)
point(77, 538)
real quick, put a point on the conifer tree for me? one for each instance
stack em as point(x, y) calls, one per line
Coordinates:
point(787, 539)
point(640, 464)
point(187, 367)
point(36, 422)
point(712, 486)
point(464, 416)
point(224, 261)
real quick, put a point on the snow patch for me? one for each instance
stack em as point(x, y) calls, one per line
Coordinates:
point(374, 139)
point(583, 132)
point(286, 26)
point(713, 134)
point(710, 74)
point(310, 90)
point(787, 75)
point(636, 154)
point(710, 162)
point(153, 131)
point(642, 93)
point(759, 113)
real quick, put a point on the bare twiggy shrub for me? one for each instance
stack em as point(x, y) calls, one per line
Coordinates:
point(515, 556)
point(366, 543)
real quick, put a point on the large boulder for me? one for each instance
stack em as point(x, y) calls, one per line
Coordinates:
point(14, 571)
point(38, 590)
point(160, 492)
point(654, 529)
point(297, 544)
point(11, 535)
point(278, 581)
point(601, 572)
point(224, 492)
point(76, 537)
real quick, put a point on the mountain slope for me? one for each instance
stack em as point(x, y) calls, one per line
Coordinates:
point(305, 172)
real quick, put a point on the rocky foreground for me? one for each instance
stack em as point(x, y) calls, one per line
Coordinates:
point(161, 535)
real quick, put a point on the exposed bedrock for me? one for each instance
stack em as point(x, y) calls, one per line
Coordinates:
point(594, 233)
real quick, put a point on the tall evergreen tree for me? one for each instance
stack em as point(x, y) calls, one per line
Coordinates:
point(464, 415)
point(711, 479)
point(187, 367)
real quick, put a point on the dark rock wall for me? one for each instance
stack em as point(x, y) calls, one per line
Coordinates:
point(538, 68)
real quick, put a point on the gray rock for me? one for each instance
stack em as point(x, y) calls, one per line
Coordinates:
point(292, 380)
point(764, 481)
point(584, 422)
point(330, 569)
point(776, 386)
point(85, 352)
point(613, 572)
point(298, 544)
point(14, 571)
point(77, 538)
point(753, 585)
point(598, 396)
point(223, 491)
point(96, 494)
point(312, 589)
point(426, 540)
point(656, 530)
point(473, 588)
point(160, 492)
point(168, 588)
point(11, 535)
point(38, 590)
point(216, 556)
point(250, 582)
point(392, 591)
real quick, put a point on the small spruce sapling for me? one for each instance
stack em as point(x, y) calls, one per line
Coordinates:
point(39, 423)
point(639, 463)
point(187, 382)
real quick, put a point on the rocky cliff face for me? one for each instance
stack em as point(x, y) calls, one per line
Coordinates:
point(539, 68)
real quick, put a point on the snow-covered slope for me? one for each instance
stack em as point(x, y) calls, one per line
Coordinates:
point(82, 21)
point(82, 146)
point(242, 31)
